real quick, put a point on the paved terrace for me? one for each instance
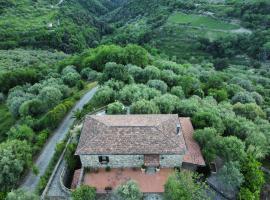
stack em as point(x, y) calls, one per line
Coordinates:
point(148, 183)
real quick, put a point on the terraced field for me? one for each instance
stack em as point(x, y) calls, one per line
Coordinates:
point(201, 21)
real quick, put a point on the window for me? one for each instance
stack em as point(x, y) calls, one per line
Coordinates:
point(103, 159)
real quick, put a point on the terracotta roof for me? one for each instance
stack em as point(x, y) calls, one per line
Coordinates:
point(193, 154)
point(131, 134)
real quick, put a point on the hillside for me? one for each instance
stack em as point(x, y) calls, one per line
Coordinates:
point(207, 60)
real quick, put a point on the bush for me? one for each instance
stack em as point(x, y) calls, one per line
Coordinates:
point(116, 108)
point(158, 85)
point(84, 193)
point(55, 116)
point(144, 107)
point(128, 191)
point(32, 107)
point(21, 132)
point(166, 103)
point(21, 195)
point(184, 186)
point(178, 91)
point(250, 111)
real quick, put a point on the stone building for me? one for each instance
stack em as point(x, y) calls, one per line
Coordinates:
point(125, 141)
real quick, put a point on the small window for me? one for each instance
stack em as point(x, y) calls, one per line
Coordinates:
point(103, 159)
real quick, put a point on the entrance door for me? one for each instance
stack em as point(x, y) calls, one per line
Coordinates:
point(151, 160)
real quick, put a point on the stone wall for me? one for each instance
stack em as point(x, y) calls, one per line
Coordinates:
point(170, 161)
point(117, 161)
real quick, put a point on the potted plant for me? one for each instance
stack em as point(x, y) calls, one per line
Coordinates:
point(143, 168)
point(158, 168)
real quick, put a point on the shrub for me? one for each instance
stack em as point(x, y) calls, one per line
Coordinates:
point(116, 108)
point(128, 191)
point(166, 103)
point(50, 96)
point(184, 186)
point(84, 193)
point(178, 91)
point(21, 195)
point(159, 85)
point(71, 79)
point(32, 107)
point(250, 110)
point(21, 132)
point(144, 107)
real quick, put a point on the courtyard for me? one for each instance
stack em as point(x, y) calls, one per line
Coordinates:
point(148, 182)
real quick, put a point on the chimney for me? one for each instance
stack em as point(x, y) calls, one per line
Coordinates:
point(178, 129)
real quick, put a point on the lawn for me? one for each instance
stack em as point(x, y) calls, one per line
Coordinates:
point(201, 21)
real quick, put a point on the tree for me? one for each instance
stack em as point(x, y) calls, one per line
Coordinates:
point(51, 96)
point(128, 191)
point(105, 95)
point(184, 186)
point(208, 141)
point(243, 97)
point(166, 103)
point(116, 108)
point(21, 195)
point(254, 177)
point(84, 193)
point(116, 72)
point(208, 118)
point(151, 73)
point(21, 132)
point(159, 85)
point(250, 110)
point(232, 149)
point(230, 176)
point(144, 107)
point(32, 107)
point(15, 156)
point(221, 63)
point(219, 95)
point(178, 91)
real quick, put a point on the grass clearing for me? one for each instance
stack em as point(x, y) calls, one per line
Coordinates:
point(201, 21)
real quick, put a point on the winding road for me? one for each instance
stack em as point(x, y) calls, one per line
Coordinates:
point(31, 180)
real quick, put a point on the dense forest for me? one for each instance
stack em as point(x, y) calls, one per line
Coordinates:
point(207, 60)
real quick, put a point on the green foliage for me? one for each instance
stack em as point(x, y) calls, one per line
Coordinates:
point(232, 149)
point(250, 111)
point(178, 91)
point(135, 92)
point(208, 140)
point(55, 116)
point(104, 96)
point(15, 157)
point(128, 191)
point(144, 107)
point(84, 193)
point(159, 85)
point(116, 72)
point(184, 186)
point(254, 178)
point(21, 132)
point(21, 195)
point(230, 176)
point(10, 79)
point(166, 103)
point(131, 54)
point(116, 108)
